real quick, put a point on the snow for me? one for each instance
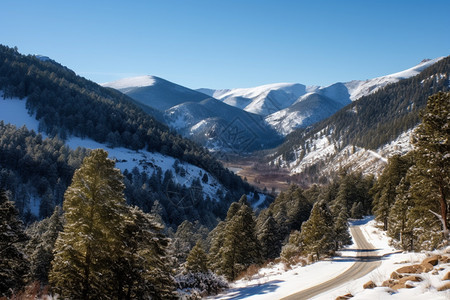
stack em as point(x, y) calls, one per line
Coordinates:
point(132, 82)
point(14, 111)
point(127, 159)
point(274, 282)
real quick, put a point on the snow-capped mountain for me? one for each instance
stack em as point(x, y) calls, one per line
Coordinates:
point(220, 126)
point(369, 130)
point(262, 100)
point(282, 106)
point(280, 103)
point(156, 92)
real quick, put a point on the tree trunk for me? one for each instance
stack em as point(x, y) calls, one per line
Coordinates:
point(444, 212)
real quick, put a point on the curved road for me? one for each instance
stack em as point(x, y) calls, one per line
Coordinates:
point(365, 263)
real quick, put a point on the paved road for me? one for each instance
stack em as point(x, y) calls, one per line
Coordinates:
point(366, 262)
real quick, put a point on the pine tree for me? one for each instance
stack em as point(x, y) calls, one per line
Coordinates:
point(94, 207)
point(241, 247)
point(13, 264)
point(432, 153)
point(384, 191)
point(399, 229)
point(197, 260)
point(216, 238)
point(317, 233)
point(41, 245)
point(142, 271)
point(341, 234)
point(269, 238)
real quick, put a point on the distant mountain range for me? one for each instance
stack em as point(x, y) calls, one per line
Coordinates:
point(248, 119)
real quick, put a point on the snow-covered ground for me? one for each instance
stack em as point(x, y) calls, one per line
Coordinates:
point(275, 283)
point(14, 111)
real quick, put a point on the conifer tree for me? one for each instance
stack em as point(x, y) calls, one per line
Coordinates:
point(241, 247)
point(269, 238)
point(142, 271)
point(384, 191)
point(41, 245)
point(399, 226)
point(13, 264)
point(216, 237)
point(94, 207)
point(197, 260)
point(317, 233)
point(341, 234)
point(432, 154)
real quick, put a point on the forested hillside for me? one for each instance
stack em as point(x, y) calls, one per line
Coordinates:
point(376, 119)
point(67, 104)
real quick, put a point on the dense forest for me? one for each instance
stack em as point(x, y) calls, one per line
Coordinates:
point(66, 104)
point(379, 118)
point(100, 247)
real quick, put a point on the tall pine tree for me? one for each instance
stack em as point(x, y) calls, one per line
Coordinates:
point(432, 154)
point(13, 264)
point(95, 214)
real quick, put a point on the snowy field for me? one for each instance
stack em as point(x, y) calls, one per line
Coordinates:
point(276, 283)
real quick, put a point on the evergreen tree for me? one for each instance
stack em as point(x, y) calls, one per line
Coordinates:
point(317, 233)
point(384, 191)
point(40, 248)
point(94, 207)
point(241, 247)
point(399, 226)
point(197, 260)
point(13, 263)
point(341, 234)
point(142, 271)
point(432, 154)
point(269, 239)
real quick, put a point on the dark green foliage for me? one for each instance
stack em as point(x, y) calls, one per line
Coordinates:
point(376, 119)
point(197, 260)
point(40, 247)
point(384, 190)
point(234, 245)
point(31, 165)
point(13, 263)
point(432, 154)
point(142, 271)
point(317, 234)
point(94, 207)
point(106, 248)
point(269, 238)
point(65, 104)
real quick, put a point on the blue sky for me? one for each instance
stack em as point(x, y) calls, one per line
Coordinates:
point(230, 43)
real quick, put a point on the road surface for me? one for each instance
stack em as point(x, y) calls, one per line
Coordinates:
point(366, 261)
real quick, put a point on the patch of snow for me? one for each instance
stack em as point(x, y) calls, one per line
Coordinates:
point(274, 282)
point(14, 111)
point(146, 161)
point(133, 82)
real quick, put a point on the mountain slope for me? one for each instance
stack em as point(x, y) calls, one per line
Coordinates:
point(262, 100)
point(156, 92)
point(278, 102)
point(70, 106)
point(221, 127)
point(365, 127)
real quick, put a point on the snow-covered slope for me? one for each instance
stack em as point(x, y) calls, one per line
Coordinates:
point(280, 102)
point(307, 110)
point(221, 126)
point(359, 88)
point(156, 92)
point(14, 111)
point(262, 100)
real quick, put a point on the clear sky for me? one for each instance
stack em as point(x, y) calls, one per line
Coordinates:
point(230, 43)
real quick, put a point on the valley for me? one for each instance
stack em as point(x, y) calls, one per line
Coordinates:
point(211, 185)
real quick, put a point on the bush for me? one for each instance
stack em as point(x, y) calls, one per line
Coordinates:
point(199, 285)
